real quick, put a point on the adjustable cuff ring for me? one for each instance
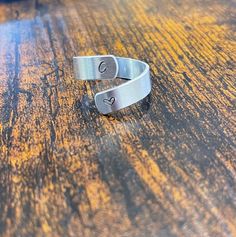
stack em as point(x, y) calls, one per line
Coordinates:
point(106, 67)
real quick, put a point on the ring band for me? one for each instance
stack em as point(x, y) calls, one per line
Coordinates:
point(106, 67)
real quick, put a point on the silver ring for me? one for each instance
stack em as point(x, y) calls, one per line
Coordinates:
point(106, 67)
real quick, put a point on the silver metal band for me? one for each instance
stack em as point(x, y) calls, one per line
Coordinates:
point(109, 67)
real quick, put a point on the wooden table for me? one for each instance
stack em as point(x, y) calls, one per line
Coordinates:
point(164, 167)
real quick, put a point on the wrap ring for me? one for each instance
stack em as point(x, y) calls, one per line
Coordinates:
point(137, 74)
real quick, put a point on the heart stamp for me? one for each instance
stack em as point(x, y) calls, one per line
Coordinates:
point(109, 101)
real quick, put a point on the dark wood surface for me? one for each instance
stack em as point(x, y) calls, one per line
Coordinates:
point(164, 167)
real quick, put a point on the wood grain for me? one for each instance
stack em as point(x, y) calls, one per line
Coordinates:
point(163, 167)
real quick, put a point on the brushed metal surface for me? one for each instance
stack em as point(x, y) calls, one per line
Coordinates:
point(109, 67)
